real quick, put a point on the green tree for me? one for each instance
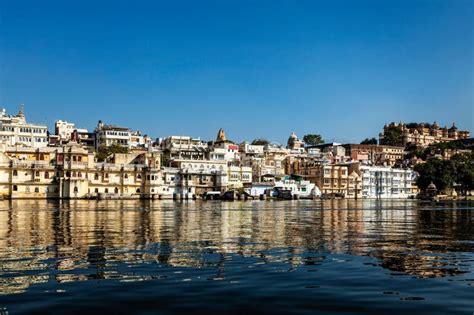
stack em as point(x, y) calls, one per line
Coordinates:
point(392, 136)
point(260, 141)
point(369, 141)
point(313, 139)
point(441, 173)
point(104, 151)
point(464, 174)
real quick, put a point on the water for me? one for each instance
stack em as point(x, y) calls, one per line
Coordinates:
point(301, 257)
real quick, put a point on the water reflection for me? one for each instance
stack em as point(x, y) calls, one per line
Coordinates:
point(44, 241)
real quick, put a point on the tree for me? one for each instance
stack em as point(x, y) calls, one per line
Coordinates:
point(313, 139)
point(260, 141)
point(104, 151)
point(436, 171)
point(369, 141)
point(392, 136)
point(464, 171)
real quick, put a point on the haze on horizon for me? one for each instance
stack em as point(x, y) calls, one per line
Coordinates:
point(255, 68)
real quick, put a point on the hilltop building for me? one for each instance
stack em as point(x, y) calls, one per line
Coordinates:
point(422, 134)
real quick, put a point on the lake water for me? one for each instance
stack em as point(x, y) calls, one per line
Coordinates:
point(255, 257)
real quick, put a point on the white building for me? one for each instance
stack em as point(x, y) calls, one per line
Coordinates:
point(107, 135)
point(386, 182)
point(14, 130)
point(63, 129)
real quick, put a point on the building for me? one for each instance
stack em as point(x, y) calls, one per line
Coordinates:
point(69, 171)
point(331, 152)
point(374, 154)
point(182, 148)
point(107, 135)
point(422, 134)
point(15, 130)
point(382, 182)
point(333, 180)
point(295, 145)
point(223, 149)
point(63, 129)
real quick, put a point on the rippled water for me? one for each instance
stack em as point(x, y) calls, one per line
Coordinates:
point(301, 257)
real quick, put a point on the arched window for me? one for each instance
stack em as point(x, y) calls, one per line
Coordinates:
point(96, 190)
point(106, 190)
point(116, 190)
point(138, 190)
point(37, 190)
point(125, 176)
point(76, 190)
point(96, 176)
point(79, 174)
point(46, 175)
point(139, 176)
point(15, 188)
point(15, 173)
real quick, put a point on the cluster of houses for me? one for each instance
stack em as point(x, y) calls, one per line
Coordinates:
point(37, 164)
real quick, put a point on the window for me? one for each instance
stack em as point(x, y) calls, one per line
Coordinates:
point(116, 190)
point(15, 188)
point(76, 190)
point(96, 190)
point(68, 174)
point(138, 190)
point(106, 175)
point(106, 190)
point(37, 190)
point(96, 176)
point(15, 173)
point(46, 175)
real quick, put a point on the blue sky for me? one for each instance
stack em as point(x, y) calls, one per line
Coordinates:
point(255, 68)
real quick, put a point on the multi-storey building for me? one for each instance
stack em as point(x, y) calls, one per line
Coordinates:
point(223, 149)
point(333, 180)
point(423, 134)
point(387, 183)
point(375, 154)
point(14, 130)
point(295, 145)
point(107, 135)
point(63, 130)
point(182, 148)
point(70, 171)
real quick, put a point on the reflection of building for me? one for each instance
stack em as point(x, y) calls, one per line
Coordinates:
point(89, 240)
point(14, 130)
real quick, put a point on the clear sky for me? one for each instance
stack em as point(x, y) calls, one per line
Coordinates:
point(255, 68)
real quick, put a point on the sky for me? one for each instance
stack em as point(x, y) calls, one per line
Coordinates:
point(341, 69)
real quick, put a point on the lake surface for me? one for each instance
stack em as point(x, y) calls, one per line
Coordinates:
point(262, 257)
